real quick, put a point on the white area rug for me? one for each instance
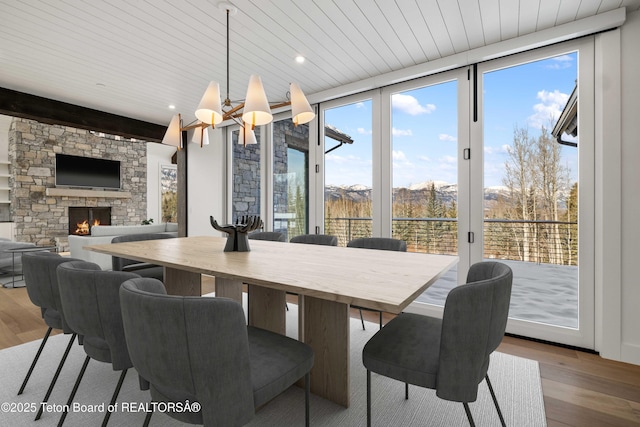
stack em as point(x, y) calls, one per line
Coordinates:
point(515, 380)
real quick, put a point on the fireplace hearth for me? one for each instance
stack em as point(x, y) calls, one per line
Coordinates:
point(82, 218)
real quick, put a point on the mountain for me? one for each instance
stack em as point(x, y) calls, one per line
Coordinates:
point(445, 192)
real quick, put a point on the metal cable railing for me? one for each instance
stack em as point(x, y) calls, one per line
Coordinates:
point(553, 242)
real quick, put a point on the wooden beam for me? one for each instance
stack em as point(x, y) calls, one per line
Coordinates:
point(45, 110)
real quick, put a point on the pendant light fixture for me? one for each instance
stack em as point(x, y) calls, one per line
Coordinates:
point(254, 111)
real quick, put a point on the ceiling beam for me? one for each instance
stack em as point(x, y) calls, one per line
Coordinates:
point(45, 110)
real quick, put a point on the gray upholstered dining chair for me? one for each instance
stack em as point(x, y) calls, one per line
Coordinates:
point(315, 239)
point(380, 243)
point(40, 278)
point(450, 355)
point(214, 358)
point(273, 236)
point(143, 269)
point(91, 303)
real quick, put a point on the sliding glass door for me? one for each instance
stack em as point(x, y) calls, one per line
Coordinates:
point(348, 168)
point(538, 188)
point(425, 171)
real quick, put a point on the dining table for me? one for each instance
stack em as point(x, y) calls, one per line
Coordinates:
point(327, 279)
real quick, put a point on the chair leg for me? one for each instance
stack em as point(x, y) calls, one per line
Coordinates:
point(368, 398)
point(361, 319)
point(495, 400)
point(406, 391)
point(73, 391)
point(114, 397)
point(35, 359)
point(307, 393)
point(380, 320)
point(469, 416)
point(147, 419)
point(55, 376)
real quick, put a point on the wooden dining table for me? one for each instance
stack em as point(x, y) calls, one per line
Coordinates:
point(327, 279)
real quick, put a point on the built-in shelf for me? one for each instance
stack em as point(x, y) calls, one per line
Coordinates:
point(4, 184)
point(76, 192)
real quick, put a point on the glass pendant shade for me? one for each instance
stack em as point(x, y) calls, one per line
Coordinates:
point(246, 136)
point(301, 111)
point(256, 109)
point(210, 108)
point(173, 135)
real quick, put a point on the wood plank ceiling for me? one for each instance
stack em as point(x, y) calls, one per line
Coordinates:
point(135, 58)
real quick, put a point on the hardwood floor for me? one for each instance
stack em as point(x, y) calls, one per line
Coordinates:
point(580, 388)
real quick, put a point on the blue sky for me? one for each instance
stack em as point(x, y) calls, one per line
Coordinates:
point(424, 125)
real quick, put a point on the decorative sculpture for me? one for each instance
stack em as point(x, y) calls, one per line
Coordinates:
point(237, 240)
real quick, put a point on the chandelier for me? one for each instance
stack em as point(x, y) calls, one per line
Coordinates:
point(254, 111)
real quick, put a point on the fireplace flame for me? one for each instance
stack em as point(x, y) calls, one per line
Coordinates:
point(82, 228)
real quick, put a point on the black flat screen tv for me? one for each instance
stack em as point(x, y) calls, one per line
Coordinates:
point(77, 171)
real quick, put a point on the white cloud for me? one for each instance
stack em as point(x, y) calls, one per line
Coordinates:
point(548, 110)
point(363, 131)
point(497, 150)
point(399, 156)
point(360, 105)
point(401, 132)
point(449, 159)
point(561, 62)
point(400, 161)
point(445, 137)
point(410, 105)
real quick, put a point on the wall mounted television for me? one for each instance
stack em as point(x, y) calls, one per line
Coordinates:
point(78, 171)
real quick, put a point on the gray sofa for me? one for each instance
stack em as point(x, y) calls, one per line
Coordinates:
point(103, 234)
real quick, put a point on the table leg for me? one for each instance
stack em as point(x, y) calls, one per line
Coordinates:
point(267, 309)
point(229, 288)
point(326, 330)
point(181, 282)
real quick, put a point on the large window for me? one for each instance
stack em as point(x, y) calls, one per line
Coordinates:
point(348, 173)
point(290, 178)
point(467, 163)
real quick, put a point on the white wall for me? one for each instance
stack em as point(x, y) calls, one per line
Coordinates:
point(207, 184)
point(5, 122)
point(157, 155)
point(630, 156)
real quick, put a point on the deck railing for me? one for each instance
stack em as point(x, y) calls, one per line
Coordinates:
point(552, 242)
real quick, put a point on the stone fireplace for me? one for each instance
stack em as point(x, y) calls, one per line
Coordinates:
point(82, 218)
point(40, 211)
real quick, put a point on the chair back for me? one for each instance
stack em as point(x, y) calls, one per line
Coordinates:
point(316, 239)
point(91, 303)
point(473, 324)
point(41, 280)
point(208, 355)
point(381, 243)
point(274, 236)
point(119, 263)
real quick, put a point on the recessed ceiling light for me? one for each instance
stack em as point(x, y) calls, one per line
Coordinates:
point(172, 107)
point(299, 59)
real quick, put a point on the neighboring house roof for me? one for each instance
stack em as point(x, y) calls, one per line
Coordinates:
point(335, 133)
point(568, 120)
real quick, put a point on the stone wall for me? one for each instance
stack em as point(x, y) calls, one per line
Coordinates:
point(43, 219)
